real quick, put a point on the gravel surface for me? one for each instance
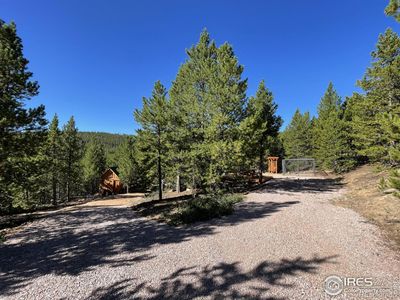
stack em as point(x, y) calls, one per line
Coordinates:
point(280, 243)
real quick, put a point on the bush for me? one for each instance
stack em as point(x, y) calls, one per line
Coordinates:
point(382, 184)
point(394, 181)
point(202, 208)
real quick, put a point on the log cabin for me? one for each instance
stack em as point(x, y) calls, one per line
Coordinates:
point(110, 182)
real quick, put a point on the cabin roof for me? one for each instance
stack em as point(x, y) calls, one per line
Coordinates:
point(112, 169)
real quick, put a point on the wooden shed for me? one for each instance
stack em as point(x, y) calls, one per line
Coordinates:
point(273, 164)
point(110, 182)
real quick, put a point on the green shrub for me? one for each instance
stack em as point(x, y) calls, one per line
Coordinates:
point(382, 184)
point(377, 168)
point(394, 181)
point(204, 207)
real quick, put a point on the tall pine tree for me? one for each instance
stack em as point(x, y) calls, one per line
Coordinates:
point(332, 148)
point(260, 128)
point(52, 151)
point(297, 137)
point(21, 129)
point(381, 100)
point(94, 164)
point(207, 105)
point(71, 162)
point(153, 119)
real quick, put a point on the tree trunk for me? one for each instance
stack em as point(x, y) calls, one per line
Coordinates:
point(159, 178)
point(178, 183)
point(69, 176)
point(68, 191)
point(261, 166)
point(193, 185)
point(54, 190)
point(159, 163)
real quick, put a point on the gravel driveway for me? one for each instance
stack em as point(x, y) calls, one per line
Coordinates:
point(281, 243)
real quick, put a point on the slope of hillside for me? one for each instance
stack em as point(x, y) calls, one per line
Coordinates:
point(110, 141)
point(364, 196)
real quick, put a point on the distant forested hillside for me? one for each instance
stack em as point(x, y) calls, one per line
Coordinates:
point(110, 141)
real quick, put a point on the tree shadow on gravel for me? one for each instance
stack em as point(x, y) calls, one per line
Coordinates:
point(221, 281)
point(301, 185)
point(76, 241)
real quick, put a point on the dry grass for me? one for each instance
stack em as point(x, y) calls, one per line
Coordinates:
point(363, 195)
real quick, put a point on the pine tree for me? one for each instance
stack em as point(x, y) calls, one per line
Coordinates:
point(72, 155)
point(131, 171)
point(22, 130)
point(261, 126)
point(126, 162)
point(393, 9)
point(297, 137)
point(390, 121)
point(382, 97)
point(331, 144)
point(227, 92)
point(189, 117)
point(93, 164)
point(207, 103)
point(52, 151)
point(153, 119)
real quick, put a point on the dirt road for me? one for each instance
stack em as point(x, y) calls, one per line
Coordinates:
point(282, 242)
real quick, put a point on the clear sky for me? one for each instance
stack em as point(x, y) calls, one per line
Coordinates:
point(96, 59)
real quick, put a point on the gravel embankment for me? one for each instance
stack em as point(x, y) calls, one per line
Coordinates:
point(281, 243)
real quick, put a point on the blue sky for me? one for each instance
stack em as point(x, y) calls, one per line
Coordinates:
point(96, 59)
